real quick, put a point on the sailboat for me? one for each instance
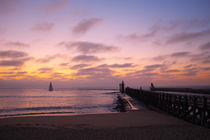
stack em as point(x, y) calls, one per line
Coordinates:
point(50, 87)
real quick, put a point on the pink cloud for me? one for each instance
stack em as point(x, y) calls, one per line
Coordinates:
point(45, 26)
point(86, 24)
point(17, 44)
point(12, 54)
point(86, 58)
point(88, 47)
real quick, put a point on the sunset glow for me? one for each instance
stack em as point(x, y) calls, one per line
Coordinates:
point(99, 43)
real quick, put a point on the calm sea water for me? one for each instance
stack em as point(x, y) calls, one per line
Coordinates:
point(18, 102)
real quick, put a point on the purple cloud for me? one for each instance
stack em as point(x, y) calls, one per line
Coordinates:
point(12, 54)
point(122, 65)
point(206, 69)
point(95, 72)
point(17, 44)
point(205, 46)
point(85, 25)
point(188, 36)
point(86, 58)
point(180, 54)
point(160, 58)
point(64, 64)
point(23, 72)
point(45, 70)
point(190, 72)
point(203, 57)
point(88, 47)
point(79, 66)
point(143, 37)
point(125, 65)
point(173, 70)
point(11, 62)
point(152, 32)
point(6, 73)
point(45, 27)
point(47, 59)
point(52, 6)
point(154, 66)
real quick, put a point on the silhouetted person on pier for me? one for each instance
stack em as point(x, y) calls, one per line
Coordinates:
point(50, 87)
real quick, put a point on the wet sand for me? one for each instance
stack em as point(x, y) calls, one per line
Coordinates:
point(144, 124)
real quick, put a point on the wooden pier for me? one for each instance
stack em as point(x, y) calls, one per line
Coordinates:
point(192, 108)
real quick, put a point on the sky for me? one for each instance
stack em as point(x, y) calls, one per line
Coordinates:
point(99, 43)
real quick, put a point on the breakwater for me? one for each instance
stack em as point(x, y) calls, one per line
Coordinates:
point(192, 108)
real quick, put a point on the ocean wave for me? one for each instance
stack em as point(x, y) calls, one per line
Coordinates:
point(52, 108)
point(37, 113)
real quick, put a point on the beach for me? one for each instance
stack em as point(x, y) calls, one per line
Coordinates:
point(143, 124)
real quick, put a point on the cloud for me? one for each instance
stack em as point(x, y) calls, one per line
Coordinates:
point(17, 44)
point(151, 34)
point(172, 71)
point(188, 66)
point(12, 54)
point(125, 65)
point(47, 59)
point(10, 6)
point(168, 56)
point(160, 29)
point(86, 58)
point(88, 47)
point(203, 57)
point(192, 23)
point(64, 64)
point(153, 66)
point(45, 70)
point(150, 74)
point(44, 27)
point(95, 72)
point(13, 58)
point(205, 46)
point(143, 37)
point(122, 65)
point(180, 54)
point(188, 36)
point(190, 72)
point(79, 66)
point(23, 72)
point(6, 73)
point(148, 69)
point(11, 62)
point(160, 58)
point(53, 6)
point(85, 25)
point(206, 69)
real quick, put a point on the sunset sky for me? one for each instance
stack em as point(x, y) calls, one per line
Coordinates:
point(99, 43)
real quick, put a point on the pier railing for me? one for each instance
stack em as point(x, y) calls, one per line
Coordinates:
point(192, 108)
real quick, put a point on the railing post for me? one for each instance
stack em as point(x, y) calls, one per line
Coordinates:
point(203, 111)
point(194, 108)
point(185, 106)
point(180, 105)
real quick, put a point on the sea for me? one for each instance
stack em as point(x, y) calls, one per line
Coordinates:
point(30, 102)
